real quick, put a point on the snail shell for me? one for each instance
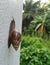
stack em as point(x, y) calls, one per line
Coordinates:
point(14, 36)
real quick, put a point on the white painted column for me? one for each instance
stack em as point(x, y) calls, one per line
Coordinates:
point(9, 9)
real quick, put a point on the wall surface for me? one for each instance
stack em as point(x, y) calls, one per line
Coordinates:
point(9, 9)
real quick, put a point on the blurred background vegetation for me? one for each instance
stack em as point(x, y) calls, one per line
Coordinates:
point(35, 43)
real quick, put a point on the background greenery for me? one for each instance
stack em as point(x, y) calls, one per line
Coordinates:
point(35, 51)
point(35, 43)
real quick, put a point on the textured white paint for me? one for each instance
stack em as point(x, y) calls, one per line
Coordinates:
point(9, 9)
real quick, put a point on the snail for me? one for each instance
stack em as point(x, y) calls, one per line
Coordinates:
point(14, 36)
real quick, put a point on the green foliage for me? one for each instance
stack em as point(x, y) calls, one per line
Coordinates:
point(47, 24)
point(30, 9)
point(34, 52)
point(27, 41)
point(31, 6)
point(38, 12)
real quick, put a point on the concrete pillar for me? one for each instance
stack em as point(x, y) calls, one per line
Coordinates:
point(9, 9)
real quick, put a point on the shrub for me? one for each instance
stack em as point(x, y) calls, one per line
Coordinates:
point(27, 41)
point(33, 52)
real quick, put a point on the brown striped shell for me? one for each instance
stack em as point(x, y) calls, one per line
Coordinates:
point(14, 36)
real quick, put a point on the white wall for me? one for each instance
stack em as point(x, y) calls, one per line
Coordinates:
point(9, 8)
